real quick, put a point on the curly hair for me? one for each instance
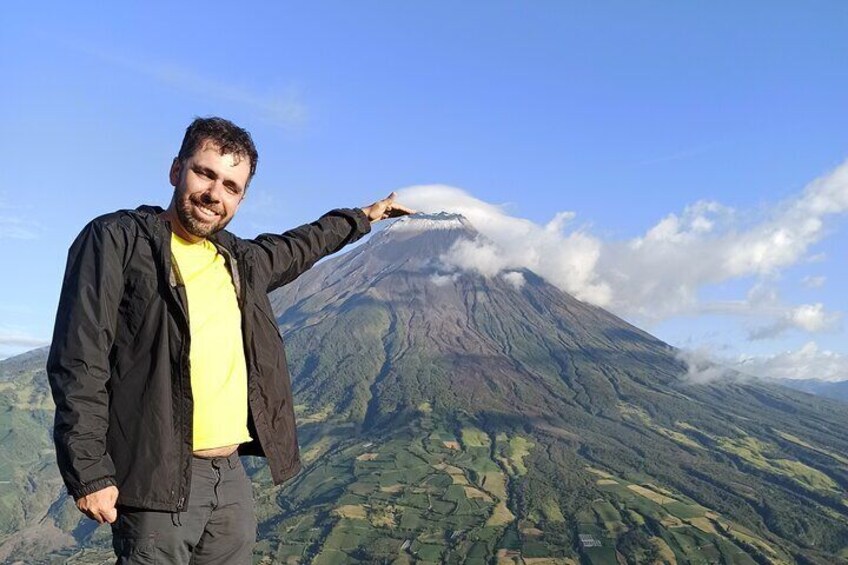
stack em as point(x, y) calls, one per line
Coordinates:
point(225, 134)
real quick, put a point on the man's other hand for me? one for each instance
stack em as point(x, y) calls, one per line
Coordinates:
point(386, 208)
point(100, 505)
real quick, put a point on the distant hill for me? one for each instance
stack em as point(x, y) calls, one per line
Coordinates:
point(447, 417)
point(829, 389)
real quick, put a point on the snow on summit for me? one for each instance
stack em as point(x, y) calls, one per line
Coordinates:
point(425, 222)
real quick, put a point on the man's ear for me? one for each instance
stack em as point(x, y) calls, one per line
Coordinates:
point(174, 175)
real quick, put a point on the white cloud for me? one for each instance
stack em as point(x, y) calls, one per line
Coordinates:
point(659, 274)
point(442, 280)
point(514, 278)
point(808, 362)
point(812, 317)
point(14, 338)
point(702, 367)
point(807, 317)
point(14, 341)
point(482, 257)
point(566, 259)
point(813, 282)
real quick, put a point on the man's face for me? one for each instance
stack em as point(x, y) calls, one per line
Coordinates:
point(208, 189)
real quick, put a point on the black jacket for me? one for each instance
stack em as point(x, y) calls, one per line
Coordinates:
point(119, 361)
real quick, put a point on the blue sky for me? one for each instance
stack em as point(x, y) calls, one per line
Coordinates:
point(624, 113)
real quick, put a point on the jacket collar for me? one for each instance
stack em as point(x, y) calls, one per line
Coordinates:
point(150, 215)
point(162, 230)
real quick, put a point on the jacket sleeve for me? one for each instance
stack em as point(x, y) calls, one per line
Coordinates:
point(286, 256)
point(78, 365)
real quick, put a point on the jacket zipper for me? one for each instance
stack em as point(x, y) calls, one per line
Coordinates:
point(176, 282)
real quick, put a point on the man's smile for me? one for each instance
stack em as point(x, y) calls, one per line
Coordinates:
point(205, 212)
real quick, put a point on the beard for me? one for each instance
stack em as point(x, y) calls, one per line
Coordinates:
point(195, 226)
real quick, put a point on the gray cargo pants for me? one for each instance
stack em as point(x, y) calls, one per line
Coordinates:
point(217, 527)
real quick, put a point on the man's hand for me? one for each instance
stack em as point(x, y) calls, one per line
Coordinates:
point(386, 208)
point(100, 505)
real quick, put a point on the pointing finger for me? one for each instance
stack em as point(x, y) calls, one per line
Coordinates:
point(400, 209)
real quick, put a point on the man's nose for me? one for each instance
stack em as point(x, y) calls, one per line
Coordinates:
point(212, 192)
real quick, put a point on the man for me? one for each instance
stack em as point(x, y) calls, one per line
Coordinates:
point(167, 363)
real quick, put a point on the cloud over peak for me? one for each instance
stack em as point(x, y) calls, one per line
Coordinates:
point(659, 274)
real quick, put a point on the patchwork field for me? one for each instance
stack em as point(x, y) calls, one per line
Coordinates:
point(445, 492)
point(441, 496)
point(689, 531)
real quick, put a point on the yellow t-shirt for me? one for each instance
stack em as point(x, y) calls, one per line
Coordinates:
point(218, 369)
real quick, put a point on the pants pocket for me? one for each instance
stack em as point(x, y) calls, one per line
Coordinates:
point(132, 550)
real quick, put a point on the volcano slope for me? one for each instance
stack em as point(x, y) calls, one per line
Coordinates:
point(449, 417)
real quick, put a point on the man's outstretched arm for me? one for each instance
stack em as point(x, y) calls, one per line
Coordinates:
point(78, 369)
point(288, 255)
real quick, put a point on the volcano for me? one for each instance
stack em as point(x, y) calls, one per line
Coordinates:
point(451, 416)
point(499, 418)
